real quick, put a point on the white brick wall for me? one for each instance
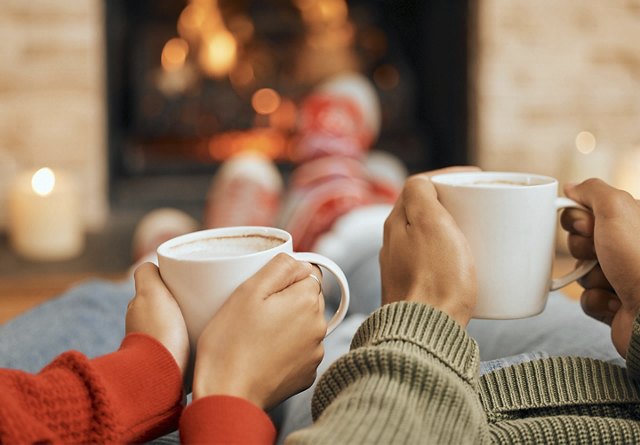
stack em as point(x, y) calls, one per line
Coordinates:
point(548, 69)
point(52, 108)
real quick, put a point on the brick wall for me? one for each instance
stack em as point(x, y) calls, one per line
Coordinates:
point(547, 70)
point(52, 94)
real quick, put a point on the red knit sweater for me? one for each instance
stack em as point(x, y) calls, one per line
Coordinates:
point(131, 395)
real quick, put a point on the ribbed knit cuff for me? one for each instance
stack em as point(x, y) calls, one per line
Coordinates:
point(225, 419)
point(633, 353)
point(144, 383)
point(425, 327)
point(554, 382)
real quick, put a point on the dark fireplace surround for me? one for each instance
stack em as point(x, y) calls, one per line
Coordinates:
point(425, 123)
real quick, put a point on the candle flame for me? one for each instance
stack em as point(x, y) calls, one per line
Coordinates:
point(43, 181)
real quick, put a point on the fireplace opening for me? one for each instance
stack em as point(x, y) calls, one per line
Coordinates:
point(170, 128)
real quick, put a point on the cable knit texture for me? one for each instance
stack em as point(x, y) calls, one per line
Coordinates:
point(412, 377)
point(130, 395)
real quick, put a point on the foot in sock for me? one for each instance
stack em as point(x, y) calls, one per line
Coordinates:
point(244, 192)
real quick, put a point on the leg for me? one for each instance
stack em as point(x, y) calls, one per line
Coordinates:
point(562, 329)
point(88, 318)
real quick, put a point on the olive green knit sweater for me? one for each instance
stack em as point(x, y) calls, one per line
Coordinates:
point(412, 377)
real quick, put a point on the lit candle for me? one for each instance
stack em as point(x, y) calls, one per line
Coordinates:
point(45, 221)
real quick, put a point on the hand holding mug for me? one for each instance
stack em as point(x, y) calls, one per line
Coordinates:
point(612, 289)
point(202, 269)
point(265, 342)
point(425, 257)
point(153, 311)
point(509, 220)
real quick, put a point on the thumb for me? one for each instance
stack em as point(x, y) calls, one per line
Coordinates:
point(592, 193)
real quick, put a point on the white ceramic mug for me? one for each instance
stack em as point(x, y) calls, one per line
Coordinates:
point(202, 269)
point(510, 221)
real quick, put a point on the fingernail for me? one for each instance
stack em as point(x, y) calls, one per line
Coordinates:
point(614, 304)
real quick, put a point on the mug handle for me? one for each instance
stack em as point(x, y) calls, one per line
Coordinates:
point(332, 267)
point(582, 269)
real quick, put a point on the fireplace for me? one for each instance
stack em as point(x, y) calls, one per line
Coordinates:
point(169, 132)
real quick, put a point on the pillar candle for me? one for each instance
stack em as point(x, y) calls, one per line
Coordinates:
point(45, 220)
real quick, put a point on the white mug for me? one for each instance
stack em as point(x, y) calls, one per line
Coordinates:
point(202, 269)
point(510, 221)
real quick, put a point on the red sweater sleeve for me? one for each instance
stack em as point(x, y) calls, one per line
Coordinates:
point(225, 420)
point(132, 394)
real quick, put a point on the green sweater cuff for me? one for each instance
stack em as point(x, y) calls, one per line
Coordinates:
point(424, 327)
point(633, 353)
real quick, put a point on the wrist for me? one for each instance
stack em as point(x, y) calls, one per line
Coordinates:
point(209, 381)
point(459, 312)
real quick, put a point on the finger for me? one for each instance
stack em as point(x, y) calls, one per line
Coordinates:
point(595, 279)
point(398, 211)
point(321, 302)
point(279, 273)
point(600, 304)
point(147, 280)
point(321, 292)
point(577, 221)
point(419, 197)
point(581, 247)
point(397, 214)
point(317, 272)
point(310, 288)
point(301, 296)
point(599, 196)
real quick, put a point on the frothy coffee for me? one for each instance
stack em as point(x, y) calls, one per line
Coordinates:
point(503, 183)
point(225, 246)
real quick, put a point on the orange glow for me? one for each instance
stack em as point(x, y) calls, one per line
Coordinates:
point(285, 116)
point(386, 77)
point(324, 12)
point(333, 10)
point(374, 40)
point(242, 75)
point(337, 38)
point(265, 101)
point(191, 20)
point(304, 4)
point(242, 28)
point(217, 55)
point(269, 142)
point(174, 54)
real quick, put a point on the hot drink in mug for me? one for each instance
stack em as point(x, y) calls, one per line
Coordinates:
point(510, 222)
point(202, 269)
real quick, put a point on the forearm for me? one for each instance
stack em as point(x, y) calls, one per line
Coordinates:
point(410, 377)
point(130, 395)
